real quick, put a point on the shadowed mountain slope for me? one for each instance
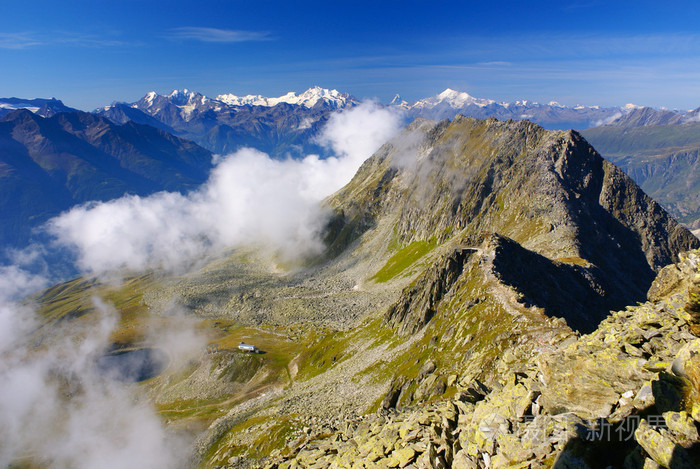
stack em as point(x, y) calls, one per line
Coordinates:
point(662, 159)
point(40, 106)
point(50, 164)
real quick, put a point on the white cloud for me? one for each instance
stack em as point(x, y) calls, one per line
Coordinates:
point(249, 198)
point(217, 35)
point(608, 120)
point(21, 40)
point(57, 407)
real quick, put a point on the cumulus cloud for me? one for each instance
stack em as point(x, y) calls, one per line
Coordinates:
point(249, 198)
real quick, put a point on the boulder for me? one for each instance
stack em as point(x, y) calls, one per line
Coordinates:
point(662, 449)
point(681, 426)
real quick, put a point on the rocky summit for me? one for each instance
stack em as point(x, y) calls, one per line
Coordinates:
point(571, 217)
point(459, 316)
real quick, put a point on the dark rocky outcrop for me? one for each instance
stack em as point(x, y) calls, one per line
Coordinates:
point(579, 294)
point(418, 302)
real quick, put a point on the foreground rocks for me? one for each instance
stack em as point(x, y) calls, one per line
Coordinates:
point(626, 395)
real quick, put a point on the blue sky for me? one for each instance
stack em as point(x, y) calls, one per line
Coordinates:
point(90, 53)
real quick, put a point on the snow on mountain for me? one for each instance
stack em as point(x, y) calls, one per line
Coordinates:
point(451, 98)
point(309, 98)
point(552, 115)
point(399, 102)
point(184, 106)
point(247, 100)
point(187, 104)
point(150, 97)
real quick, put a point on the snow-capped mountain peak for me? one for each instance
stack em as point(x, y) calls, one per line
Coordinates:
point(399, 102)
point(309, 98)
point(150, 96)
point(185, 97)
point(452, 98)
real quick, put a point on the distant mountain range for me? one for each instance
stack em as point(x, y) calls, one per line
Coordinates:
point(49, 164)
point(202, 117)
point(646, 116)
point(224, 123)
point(283, 126)
point(53, 156)
point(312, 97)
point(551, 115)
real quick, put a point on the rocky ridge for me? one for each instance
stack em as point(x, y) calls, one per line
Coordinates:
point(625, 395)
point(460, 251)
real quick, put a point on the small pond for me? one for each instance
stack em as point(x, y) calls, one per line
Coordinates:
point(132, 365)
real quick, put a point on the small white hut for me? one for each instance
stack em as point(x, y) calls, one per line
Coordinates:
point(243, 347)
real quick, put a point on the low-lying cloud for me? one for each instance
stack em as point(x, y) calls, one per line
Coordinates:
point(58, 409)
point(249, 198)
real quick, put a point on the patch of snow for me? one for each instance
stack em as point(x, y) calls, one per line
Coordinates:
point(150, 96)
point(187, 110)
point(28, 108)
point(14, 107)
point(182, 92)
